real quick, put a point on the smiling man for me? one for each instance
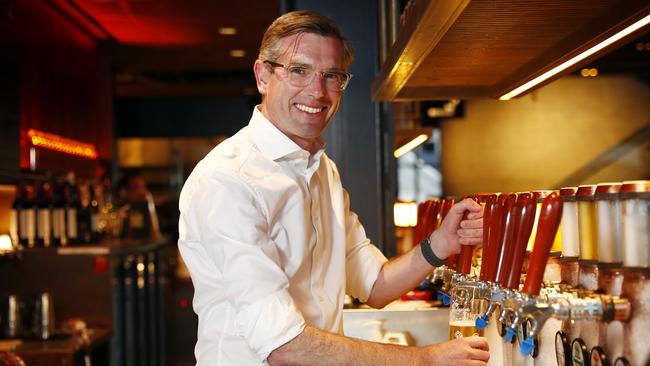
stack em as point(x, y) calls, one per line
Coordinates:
point(267, 232)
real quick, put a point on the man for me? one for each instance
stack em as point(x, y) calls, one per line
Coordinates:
point(268, 236)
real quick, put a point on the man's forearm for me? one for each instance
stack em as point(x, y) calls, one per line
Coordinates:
point(399, 276)
point(317, 347)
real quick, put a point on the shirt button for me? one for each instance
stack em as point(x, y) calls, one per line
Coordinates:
point(320, 298)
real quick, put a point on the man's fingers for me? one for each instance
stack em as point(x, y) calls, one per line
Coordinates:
point(470, 233)
point(471, 224)
point(469, 204)
point(478, 342)
point(470, 241)
point(476, 363)
point(474, 215)
point(481, 355)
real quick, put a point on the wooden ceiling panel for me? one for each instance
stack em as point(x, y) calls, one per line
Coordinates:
point(492, 45)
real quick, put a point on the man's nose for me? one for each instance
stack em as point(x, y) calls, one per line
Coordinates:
point(317, 85)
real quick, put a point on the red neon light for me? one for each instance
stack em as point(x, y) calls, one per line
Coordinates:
point(61, 144)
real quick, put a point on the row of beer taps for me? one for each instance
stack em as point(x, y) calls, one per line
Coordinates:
point(522, 308)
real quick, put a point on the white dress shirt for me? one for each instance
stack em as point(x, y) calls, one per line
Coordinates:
point(267, 234)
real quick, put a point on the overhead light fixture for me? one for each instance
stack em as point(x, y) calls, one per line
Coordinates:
point(417, 141)
point(237, 53)
point(227, 31)
point(574, 60)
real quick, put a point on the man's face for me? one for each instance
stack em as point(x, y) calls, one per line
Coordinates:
point(301, 113)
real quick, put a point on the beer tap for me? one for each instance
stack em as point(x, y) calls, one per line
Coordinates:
point(500, 232)
point(529, 307)
point(525, 218)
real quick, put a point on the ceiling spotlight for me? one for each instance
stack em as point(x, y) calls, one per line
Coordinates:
point(227, 31)
point(237, 53)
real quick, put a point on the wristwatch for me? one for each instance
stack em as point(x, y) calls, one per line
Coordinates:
point(429, 255)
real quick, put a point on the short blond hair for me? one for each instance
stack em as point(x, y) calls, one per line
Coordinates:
point(301, 21)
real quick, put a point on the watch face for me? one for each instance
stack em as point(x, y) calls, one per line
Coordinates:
point(598, 357)
point(561, 344)
point(621, 361)
point(579, 353)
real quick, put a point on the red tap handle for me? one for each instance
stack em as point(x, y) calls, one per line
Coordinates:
point(444, 210)
point(489, 214)
point(525, 219)
point(419, 227)
point(495, 237)
point(506, 238)
point(466, 251)
point(549, 220)
point(434, 218)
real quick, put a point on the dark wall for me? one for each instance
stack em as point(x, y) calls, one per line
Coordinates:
point(182, 116)
point(9, 123)
point(359, 138)
point(65, 78)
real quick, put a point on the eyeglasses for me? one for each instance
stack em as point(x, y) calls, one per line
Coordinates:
point(299, 75)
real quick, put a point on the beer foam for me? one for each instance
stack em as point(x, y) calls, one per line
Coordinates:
point(463, 323)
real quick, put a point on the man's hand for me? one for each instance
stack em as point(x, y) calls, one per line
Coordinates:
point(456, 230)
point(460, 352)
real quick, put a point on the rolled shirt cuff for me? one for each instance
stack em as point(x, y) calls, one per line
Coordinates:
point(269, 323)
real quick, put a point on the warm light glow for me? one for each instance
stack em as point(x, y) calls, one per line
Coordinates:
point(237, 53)
point(5, 244)
point(227, 31)
point(61, 144)
point(593, 72)
point(405, 214)
point(419, 140)
point(574, 60)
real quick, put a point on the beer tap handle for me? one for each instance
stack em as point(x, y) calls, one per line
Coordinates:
point(495, 237)
point(418, 235)
point(506, 238)
point(433, 218)
point(549, 220)
point(525, 219)
point(466, 252)
point(489, 214)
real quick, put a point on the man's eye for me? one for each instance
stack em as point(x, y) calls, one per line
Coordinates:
point(298, 70)
point(332, 76)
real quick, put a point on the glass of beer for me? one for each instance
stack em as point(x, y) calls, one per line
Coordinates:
point(467, 303)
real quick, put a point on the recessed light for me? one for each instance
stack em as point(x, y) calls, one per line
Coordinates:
point(227, 31)
point(237, 53)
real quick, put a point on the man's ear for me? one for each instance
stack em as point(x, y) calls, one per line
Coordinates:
point(262, 75)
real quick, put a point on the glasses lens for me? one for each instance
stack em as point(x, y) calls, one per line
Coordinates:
point(335, 81)
point(303, 76)
point(299, 75)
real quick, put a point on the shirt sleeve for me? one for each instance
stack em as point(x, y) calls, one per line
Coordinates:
point(234, 232)
point(363, 259)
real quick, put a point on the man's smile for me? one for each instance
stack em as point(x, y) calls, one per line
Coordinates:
point(308, 109)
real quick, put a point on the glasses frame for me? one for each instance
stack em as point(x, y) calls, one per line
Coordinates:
point(321, 73)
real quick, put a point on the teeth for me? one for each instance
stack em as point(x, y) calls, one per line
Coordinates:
point(304, 108)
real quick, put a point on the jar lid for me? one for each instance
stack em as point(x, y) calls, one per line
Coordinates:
point(607, 190)
point(635, 189)
point(586, 192)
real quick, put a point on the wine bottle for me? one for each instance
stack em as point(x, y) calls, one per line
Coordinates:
point(27, 219)
point(14, 215)
point(94, 215)
point(43, 214)
point(83, 215)
point(72, 206)
point(59, 237)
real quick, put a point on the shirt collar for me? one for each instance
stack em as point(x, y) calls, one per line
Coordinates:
point(272, 142)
